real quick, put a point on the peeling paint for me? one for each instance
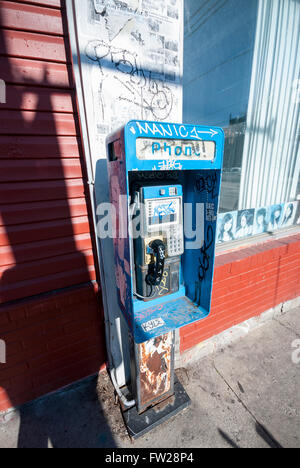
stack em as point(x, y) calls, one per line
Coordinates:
point(155, 369)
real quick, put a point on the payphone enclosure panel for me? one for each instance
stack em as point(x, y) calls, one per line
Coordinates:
point(161, 218)
point(162, 154)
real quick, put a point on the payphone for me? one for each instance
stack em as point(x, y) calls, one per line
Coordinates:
point(158, 249)
point(164, 186)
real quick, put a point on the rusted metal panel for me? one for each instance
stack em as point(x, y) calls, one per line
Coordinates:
point(154, 362)
point(37, 147)
point(19, 192)
point(31, 18)
point(38, 169)
point(11, 235)
point(44, 249)
point(36, 123)
point(41, 211)
point(33, 46)
point(32, 72)
point(39, 99)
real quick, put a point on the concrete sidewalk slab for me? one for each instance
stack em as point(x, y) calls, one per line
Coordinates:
point(260, 371)
point(214, 419)
point(292, 322)
point(246, 395)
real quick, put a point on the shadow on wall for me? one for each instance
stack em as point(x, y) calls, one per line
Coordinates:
point(39, 249)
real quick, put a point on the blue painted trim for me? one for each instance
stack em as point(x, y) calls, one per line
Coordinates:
point(166, 317)
point(140, 129)
point(140, 305)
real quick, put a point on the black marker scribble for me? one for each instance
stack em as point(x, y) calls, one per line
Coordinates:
point(204, 262)
point(135, 85)
point(208, 184)
point(198, 288)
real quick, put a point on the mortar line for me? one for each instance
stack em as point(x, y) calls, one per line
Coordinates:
point(263, 429)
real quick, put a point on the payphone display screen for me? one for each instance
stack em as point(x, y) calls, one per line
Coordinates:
point(157, 149)
point(163, 212)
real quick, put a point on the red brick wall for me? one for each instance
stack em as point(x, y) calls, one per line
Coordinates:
point(51, 341)
point(45, 240)
point(248, 282)
point(50, 310)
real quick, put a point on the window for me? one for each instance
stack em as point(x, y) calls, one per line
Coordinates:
point(242, 72)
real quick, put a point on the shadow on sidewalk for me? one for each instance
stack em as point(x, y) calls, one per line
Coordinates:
point(74, 418)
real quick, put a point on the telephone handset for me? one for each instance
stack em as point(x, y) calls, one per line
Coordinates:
point(156, 270)
point(158, 248)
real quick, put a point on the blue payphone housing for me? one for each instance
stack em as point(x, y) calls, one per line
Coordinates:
point(168, 174)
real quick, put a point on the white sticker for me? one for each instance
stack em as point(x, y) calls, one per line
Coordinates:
point(210, 212)
point(153, 324)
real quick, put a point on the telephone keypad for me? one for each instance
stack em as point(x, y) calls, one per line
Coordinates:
point(175, 241)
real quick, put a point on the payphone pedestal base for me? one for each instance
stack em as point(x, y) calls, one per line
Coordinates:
point(139, 424)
